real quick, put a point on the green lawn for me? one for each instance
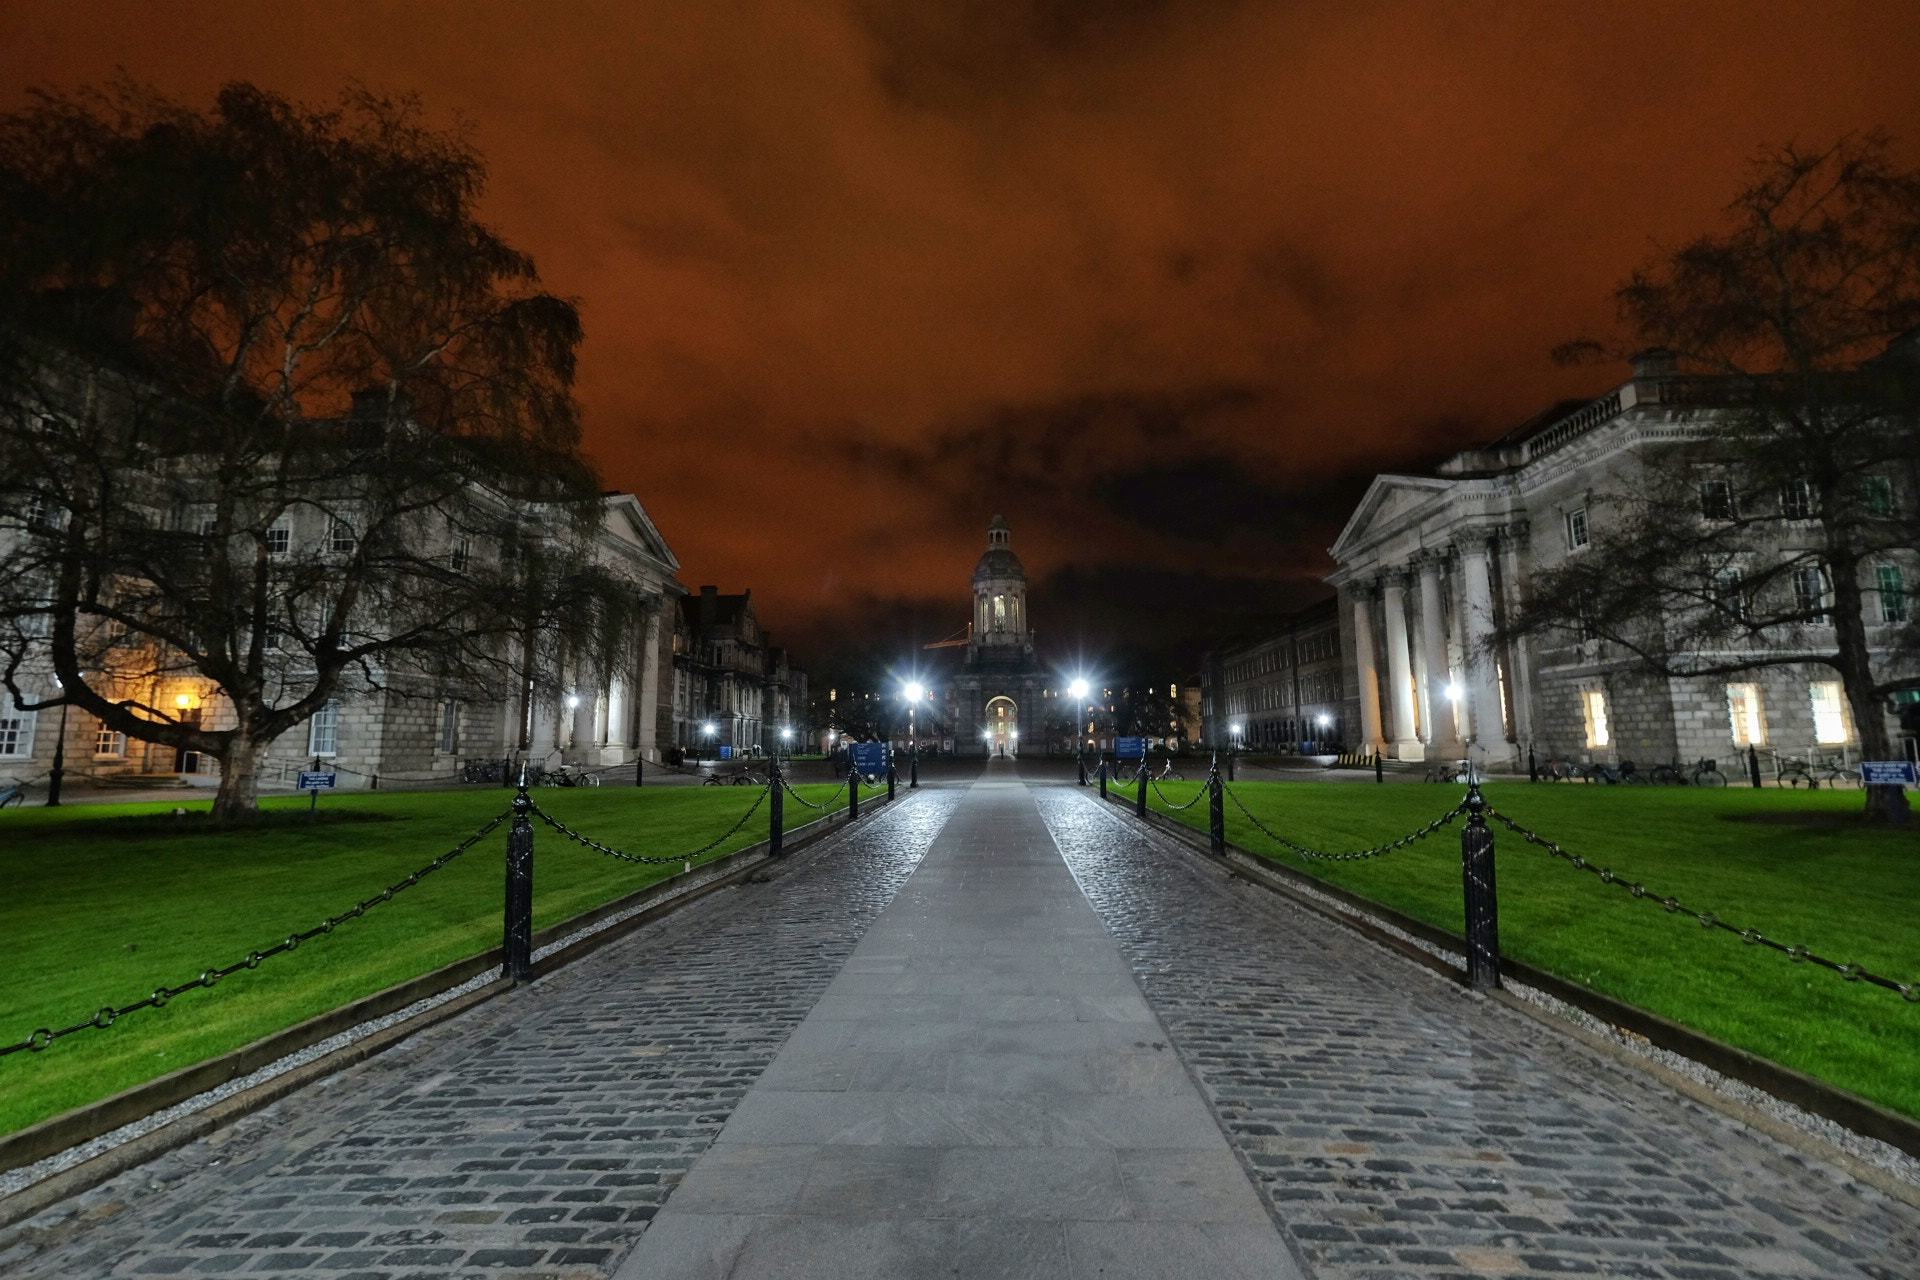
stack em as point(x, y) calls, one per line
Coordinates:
point(101, 908)
point(1850, 893)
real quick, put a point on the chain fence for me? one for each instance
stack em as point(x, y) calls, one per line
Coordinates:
point(1168, 801)
point(111, 1014)
point(643, 859)
point(1752, 937)
point(1357, 855)
point(828, 803)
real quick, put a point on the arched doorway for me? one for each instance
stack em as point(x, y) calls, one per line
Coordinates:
point(1003, 727)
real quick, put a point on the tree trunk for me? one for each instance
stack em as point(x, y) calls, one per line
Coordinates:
point(1884, 804)
point(239, 793)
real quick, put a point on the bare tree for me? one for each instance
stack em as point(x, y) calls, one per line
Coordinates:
point(1778, 527)
point(277, 414)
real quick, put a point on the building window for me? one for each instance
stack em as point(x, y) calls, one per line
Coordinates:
point(109, 744)
point(270, 640)
point(279, 540)
point(1893, 594)
point(16, 733)
point(999, 613)
point(1576, 529)
point(323, 731)
point(1594, 703)
point(340, 538)
point(463, 548)
point(1829, 712)
point(1810, 593)
point(1716, 499)
point(1796, 500)
point(1878, 492)
point(1730, 594)
point(1744, 714)
point(449, 726)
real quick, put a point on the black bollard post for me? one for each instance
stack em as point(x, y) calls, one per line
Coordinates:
point(1753, 765)
point(1230, 758)
point(892, 775)
point(1482, 898)
point(1216, 813)
point(1140, 800)
point(1533, 768)
point(1103, 777)
point(777, 824)
point(639, 769)
point(1379, 768)
point(853, 793)
point(517, 963)
point(1080, 766)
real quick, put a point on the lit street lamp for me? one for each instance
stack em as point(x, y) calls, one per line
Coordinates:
point(913, 693)
point(1078, 691)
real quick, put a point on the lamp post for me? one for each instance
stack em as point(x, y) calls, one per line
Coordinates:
point(913, 693)
point(1078, 691)
point(59, 751)
point(1233, 752)
point(709, 728)
point(786, 739)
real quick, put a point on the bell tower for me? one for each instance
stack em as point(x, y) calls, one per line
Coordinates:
point(1000, 627)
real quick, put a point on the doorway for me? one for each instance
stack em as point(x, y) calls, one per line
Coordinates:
point(1003, 727)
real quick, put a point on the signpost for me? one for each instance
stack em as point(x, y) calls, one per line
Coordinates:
point(1130, 748)
point(313, 780)
point(1889, 773)
point(870, 758)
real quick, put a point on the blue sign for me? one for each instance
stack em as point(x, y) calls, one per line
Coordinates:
point(315, 781)
point(1889, 773)
point(726, 753)
point(870, 757)
point(1130, 748)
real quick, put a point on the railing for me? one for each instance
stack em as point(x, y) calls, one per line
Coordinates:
point(518, 908)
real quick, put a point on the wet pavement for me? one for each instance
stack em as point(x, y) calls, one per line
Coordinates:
point(1064, 1049)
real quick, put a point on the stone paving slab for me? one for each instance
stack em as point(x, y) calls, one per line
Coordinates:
point(981, 1092)
point(534, 1137)
point(1401, 1127)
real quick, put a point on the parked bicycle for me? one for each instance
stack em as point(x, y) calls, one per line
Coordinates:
point(742, 778)
point(485, 771)
point(1706, 773)
point(1168, 773)
point(13, 793)
point(570, 775)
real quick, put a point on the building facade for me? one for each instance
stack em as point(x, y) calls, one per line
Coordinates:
point(997, 698)
point(1282, 692)
point(732, 687)
point(1429, 566)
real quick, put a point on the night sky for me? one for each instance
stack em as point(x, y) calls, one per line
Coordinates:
point(1165, 283)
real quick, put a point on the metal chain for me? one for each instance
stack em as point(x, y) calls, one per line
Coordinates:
point(708, 847)
point(108, 1015)
point(1357, 855)
point(1752, 937)
point(1176, 808)
point(824, 804)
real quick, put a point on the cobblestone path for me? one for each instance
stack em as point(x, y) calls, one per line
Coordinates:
point(536, 1136)
point(1399, 1127)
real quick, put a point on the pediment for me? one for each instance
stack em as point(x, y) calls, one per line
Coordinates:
point(1388, 502)
point(627, 521)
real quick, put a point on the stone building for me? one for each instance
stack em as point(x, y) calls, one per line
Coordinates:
point(1281, 692)
point(732, 687)
point(1429, 565)
point(997, 696)
point(412, 730)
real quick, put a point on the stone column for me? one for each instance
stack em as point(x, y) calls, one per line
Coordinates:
point(1406, 740)
point(1483, 676)
point(1370, 737)
point(587, 702)
point(1519, 667)
point(646, 737)
point(1441, 723)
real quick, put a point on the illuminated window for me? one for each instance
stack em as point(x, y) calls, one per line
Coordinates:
point(1829, 712)
point(279, 540)
point(340, 538)
point(109, 744)
point(1745, 716)
point(1796, 500)
point(1594, 703)
point(1810, 593)
point(999, 613)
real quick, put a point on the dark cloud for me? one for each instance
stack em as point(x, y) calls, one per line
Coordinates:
point(1162, 280)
